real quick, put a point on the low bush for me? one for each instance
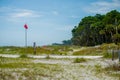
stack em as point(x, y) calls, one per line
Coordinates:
point(79, 60)
point(23, 56)
point(109, 55)
point(48, 56)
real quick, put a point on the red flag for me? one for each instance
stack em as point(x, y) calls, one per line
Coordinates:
point(25, 26)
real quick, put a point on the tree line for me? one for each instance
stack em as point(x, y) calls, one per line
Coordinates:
point(98, 29)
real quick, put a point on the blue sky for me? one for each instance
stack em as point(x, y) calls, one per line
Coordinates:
point(49, 21)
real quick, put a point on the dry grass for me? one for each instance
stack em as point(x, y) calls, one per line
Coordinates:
point(59, 50)
point(89, 51)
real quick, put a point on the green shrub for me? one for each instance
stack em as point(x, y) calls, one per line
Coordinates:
point(109, 55)
point(48, 56)
point(79, 60)
point(23, 56)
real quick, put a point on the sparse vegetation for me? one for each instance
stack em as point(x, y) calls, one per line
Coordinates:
point(62, 50)
point(113, 67)
point(25, 68)
point(59, 50)
point(98, 68)
point(89, 51)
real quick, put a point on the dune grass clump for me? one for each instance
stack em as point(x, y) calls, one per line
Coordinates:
point(98, 68)
point(89, 51)
point(113, 67)
point(47, 57)
point(23, 56)
point(109, 55)
point(80, 60)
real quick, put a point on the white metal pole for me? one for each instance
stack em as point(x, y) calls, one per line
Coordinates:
point(25, 40)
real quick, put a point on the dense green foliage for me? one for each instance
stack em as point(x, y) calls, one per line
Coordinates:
point(98, 29)
point(66, 42)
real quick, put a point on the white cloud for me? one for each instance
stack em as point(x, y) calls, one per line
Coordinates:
point(17, 15)
point(25, 13)
point(22, 14)
point(102, 6)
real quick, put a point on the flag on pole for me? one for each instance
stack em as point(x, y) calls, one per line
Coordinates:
point(25, 26)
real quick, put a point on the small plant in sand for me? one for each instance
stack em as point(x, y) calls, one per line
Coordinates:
point(79, 60)
point(23, 56)
point(48, 56)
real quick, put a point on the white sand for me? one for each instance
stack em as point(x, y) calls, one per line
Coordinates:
point(51, 56)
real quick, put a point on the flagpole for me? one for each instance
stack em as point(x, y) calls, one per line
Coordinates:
point(25, 41)
point(26, 27)
point(26, 38)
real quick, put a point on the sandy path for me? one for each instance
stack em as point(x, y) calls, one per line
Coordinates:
point(51, 56)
